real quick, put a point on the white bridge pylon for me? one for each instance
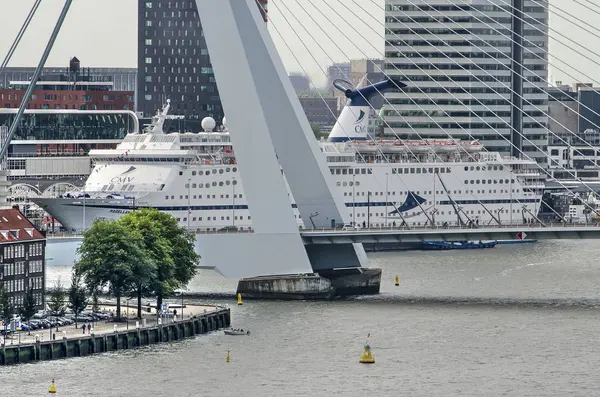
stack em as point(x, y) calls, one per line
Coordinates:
point(268, 128)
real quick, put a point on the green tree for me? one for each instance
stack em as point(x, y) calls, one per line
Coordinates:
point(95, 301)
point(77, 295)
point(171, 247)
point(156, 246)
point(6, 307)
point(57, 299)
point(29, 305)
point(110, 255)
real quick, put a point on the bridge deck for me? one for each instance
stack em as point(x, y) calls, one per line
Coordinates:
point(424, 233)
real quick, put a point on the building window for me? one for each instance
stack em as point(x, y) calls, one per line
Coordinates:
point(148, 41)
point(148, 60)
point(148, 4)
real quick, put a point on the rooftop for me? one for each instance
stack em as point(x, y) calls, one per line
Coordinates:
point(15, 227)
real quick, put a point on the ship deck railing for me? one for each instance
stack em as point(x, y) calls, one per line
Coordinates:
point(593, 224)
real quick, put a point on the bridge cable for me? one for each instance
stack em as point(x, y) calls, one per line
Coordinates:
point(409, 98)
point(487, 85)
point(493, 217)
point(329, 108)
point(17, 40)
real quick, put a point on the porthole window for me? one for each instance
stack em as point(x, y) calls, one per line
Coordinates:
point(193, 173)
point(235, 182)
point(234, 169)
point(221, 171)
point(214, 171)
point(228, 183)
point(221, 183)
point(214, 183)
point(477, 168)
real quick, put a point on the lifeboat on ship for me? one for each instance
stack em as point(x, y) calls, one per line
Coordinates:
point(472, 146)
point(418, 147)
point(398, 147)
point(445, 146)
point(366, 146)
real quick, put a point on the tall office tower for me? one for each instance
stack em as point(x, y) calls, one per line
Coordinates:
point(174, 63)
point(462, 68)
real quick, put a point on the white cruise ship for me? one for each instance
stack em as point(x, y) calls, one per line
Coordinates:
point(195, 178)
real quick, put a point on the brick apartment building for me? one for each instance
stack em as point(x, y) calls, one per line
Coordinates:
point(75, 88)
point(22, 253)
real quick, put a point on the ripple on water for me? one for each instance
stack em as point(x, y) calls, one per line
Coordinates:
point(512, 321)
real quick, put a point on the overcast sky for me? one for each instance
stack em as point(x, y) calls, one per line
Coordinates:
point(104, 33)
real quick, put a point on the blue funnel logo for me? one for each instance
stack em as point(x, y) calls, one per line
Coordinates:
point(412, 201)
point(361, 117)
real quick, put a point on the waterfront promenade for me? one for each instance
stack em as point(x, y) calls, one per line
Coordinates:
point(106, 336)
point(104, 326)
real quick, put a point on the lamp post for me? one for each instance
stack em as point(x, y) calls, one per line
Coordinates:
point(368, 209)
point(233, 183)
point(83, 217)
point(189, 209)
point(310, 217)
point(386, 199)
point(510, 209)
point(182, 304)
point(353, 200)
point(127, 312)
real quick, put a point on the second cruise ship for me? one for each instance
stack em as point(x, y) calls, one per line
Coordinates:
point(385, 182)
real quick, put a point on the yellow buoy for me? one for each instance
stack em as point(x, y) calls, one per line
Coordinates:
point(239, 299)
point(227, 357)
point(367, 356)
point(397, 281)
point(52, 387)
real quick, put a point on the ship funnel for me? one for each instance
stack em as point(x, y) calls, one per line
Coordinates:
point(353, 123)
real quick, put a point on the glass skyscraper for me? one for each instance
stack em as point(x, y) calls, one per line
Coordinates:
point(174, 63)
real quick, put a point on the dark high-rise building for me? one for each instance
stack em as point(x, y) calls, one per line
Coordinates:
point(173, 62)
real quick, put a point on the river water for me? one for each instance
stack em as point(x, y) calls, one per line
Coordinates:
point(509, 321)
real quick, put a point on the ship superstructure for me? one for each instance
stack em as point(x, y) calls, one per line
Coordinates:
point(195, 178)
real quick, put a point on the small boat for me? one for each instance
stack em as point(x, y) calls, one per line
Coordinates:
point(456, 245)
point(236, 332)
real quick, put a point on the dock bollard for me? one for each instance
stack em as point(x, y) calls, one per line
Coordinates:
point(239, 298)
point(227, 358)
point(397, 281)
